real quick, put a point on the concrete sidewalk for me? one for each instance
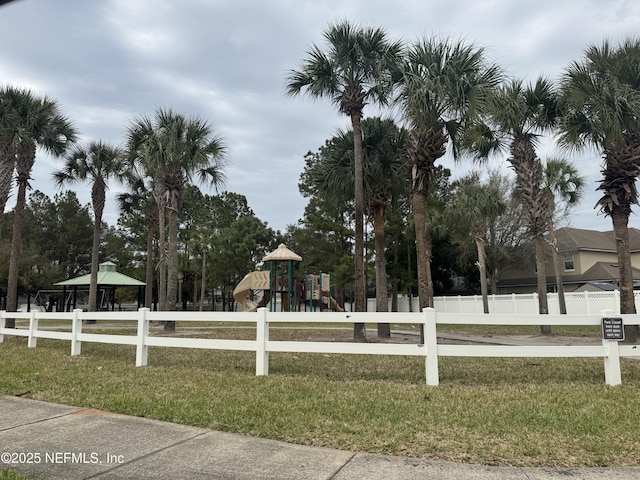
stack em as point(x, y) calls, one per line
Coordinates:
point(49, 441)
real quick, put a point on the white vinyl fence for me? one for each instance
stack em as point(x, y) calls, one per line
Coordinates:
point(610, 350)
point(577, 302)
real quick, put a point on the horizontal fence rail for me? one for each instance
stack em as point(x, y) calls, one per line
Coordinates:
point(71, 329)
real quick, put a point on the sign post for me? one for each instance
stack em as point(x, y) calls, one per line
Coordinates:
point(612, 333)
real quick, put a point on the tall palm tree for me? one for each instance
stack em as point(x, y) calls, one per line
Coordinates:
point(520, 113)
point(37, 122)
point(143, 144)
point(140, 198)
point(476, 205)
point(98, 163)
point(385, 174)
point(601, 109)
point(357, 68)
point(445, 84)
point(179, 150)
point(562, 183)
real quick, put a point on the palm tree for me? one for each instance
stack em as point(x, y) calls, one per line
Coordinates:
point(563, 183)
point(357, 68)
point(601, 109)
point(99, 163)
point(520, 114)
point(385, 174)
point(36, 122)
point(445, 84)
point(143, 144)
point(140, 198)
point(475, 205)
point(177, 150)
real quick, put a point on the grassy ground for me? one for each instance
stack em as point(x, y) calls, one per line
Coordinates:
point(8, 475)
point(528, 412)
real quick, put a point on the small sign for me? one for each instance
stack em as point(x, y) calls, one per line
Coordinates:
point(612, 328)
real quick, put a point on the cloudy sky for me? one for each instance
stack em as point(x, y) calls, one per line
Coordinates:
point(108, 61)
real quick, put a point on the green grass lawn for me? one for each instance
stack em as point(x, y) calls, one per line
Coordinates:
point(9, 475)
point(527, 412)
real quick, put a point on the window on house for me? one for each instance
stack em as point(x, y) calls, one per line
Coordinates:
point(568, 262)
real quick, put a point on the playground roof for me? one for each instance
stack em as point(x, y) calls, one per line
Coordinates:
point(107, 275)
point(282, 253)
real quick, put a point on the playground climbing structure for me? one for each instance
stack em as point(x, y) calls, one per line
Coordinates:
point(282, 285)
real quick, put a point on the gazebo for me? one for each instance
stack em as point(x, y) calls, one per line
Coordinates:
point(108, 280)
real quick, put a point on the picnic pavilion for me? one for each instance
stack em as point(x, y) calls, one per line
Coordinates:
point(108, 280)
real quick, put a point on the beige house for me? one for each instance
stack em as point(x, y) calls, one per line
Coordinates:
point(589, 260)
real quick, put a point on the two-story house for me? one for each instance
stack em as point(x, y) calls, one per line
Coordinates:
point(589, 262)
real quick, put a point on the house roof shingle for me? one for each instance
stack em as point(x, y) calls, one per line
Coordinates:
point(571, 239)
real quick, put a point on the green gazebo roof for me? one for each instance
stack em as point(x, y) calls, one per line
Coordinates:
point(107, 275)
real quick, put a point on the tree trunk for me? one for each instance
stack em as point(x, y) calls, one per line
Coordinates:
point(92, 302)
point(494, 276)
point(195, 291)
point(172, 266)
point(14, 258)
point(410, 275)
point(557, 267)
point(394, 281)
point(541, 276)
point(24, 163)
point(423, 254)
point(423, 251)
point(162, 260)
point(203, 278)
point(382, 300)
point(359, 332)
point(148, 292)
point(538, 205)
point(482, 269)
point(98, 200)
point(620, 220)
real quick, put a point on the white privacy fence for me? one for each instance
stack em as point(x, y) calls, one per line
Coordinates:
point(72, 330)
point(577, 303)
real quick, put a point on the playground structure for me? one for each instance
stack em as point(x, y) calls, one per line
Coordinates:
point(283, 283)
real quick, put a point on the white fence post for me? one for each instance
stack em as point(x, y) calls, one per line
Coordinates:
point(612, 374)
point(76, 330)
point(587, 300)
point(142, 350)
point(3, 324)
point(431, 346)
point(262, 337)
point(33, 327)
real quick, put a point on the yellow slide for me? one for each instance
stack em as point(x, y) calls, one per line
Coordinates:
point(251, 281)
